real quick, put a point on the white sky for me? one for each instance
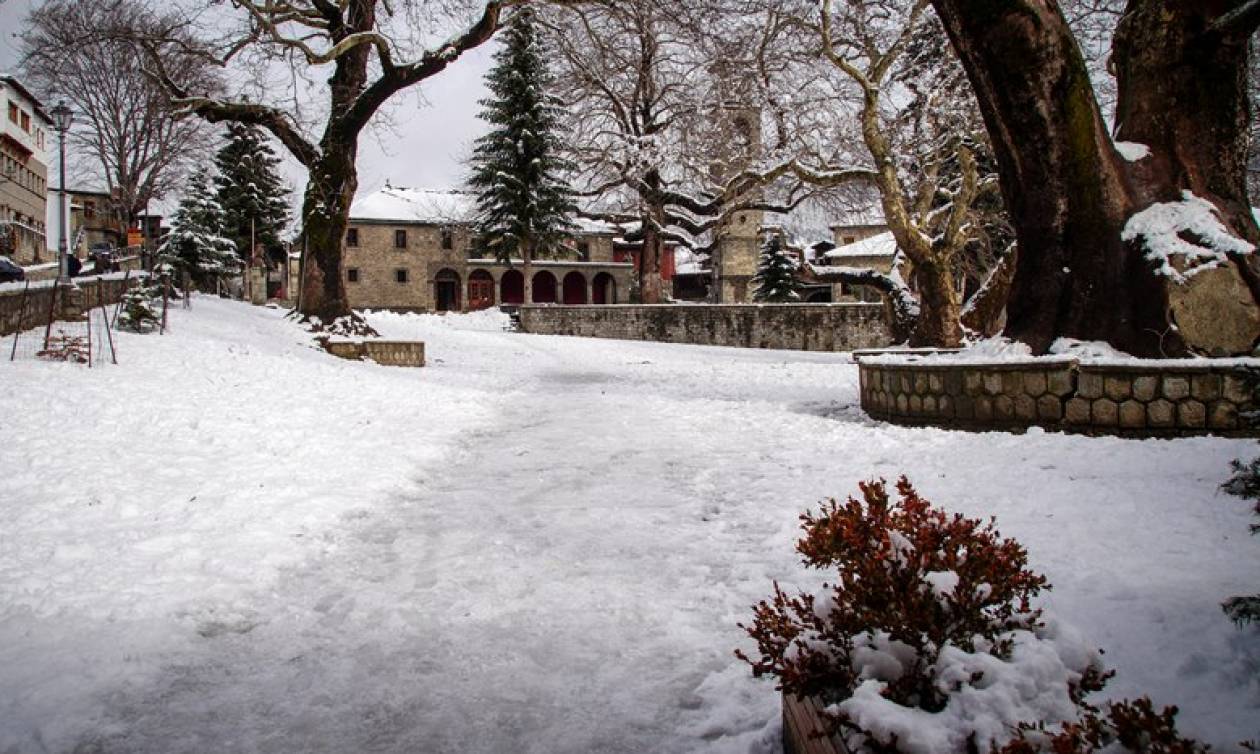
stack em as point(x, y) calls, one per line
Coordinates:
point(433, 125)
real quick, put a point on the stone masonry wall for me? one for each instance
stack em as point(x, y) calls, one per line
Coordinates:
point(391, 353)
point(804, 327)
point(1157, 399)
point(93, 292)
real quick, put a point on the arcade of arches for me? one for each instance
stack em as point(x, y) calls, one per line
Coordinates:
point(483, 291)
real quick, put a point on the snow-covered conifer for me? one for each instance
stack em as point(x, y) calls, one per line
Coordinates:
point(524, 202)
point(775, 280)
point(138, 312)
point(250, 190)
point(196, 244)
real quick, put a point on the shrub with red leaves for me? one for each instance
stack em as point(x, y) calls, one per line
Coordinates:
point(1134, 725)
point(923, 577)
point(928, 641)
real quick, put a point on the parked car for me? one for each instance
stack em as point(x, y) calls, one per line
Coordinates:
point(9, 271)
point(104, 256)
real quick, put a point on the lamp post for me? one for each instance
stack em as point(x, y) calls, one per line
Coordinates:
point(61, 118)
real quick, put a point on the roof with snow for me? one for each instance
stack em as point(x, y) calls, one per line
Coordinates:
point(883, 245)
point(423, 206)
point(866, 218)
point(408, 205)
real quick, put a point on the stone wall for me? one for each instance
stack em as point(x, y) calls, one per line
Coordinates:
point(391, 353)
point(92, 292)
point(1157, 399)
point(803, 327)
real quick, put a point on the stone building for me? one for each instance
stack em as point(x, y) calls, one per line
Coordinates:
point(24, 139)
point(94, 220)
point(874, 252)
point(416, 250)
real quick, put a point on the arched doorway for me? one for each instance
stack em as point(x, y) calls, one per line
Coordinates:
point(544, 288)
point(605, 289)
point(446, 291)
point(575, 288)
point(819, 296)
point(480, 290)
point(512, 287)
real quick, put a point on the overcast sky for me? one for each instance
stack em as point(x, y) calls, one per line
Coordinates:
point(432, 126)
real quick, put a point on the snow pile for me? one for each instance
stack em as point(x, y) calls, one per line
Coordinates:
point(395, 325)
point(1087, 350)
point(1132, 150)
point(235, 542)
point(1183, 238)
point(988, 696)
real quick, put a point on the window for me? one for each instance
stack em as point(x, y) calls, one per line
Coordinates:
point(352, 237)
point(26, 122)
point(13, 112)
point(400, 275)
point(448, 239)
point(584, 251)
point(400, 241)
point(352, 274)
point(849, 239)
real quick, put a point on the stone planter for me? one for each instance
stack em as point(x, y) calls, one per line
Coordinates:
point(803, 720)
point(1154, 399)
point(395, 353)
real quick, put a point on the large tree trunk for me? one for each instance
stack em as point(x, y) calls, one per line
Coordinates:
point(649, 257)
point(326, 214)
point(1061, 179)
point(985, 312)
point(1183, 93)
point(650, 267)
point(1069, 191)
point(939, 320)
point(527, 271)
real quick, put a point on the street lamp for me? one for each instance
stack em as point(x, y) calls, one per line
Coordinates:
point(61, 118)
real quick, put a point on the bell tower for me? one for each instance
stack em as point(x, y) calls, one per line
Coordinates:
point(737, 146)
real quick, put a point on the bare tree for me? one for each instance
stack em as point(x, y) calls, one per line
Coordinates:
point(679, 119)
point(124, 121)
point(1182, 120)
point(921, 133)
point(371, 51)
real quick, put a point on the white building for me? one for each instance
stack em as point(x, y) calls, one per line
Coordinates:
point(25, 130)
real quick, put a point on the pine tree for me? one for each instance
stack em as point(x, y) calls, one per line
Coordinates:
point(196, 244)
point(250, 190)
point(524, 204)
point(138, 313)
point(775, 280)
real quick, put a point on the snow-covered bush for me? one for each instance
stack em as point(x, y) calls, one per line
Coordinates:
point(927, 641)
point(775, 280)
point(1127, 726)
point(1245, 483)
point(138, 311)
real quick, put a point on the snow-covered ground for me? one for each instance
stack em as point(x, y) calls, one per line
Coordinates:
point(234, 542)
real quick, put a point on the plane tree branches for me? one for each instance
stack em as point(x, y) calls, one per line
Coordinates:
point(367, 51)
point(123, 120)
